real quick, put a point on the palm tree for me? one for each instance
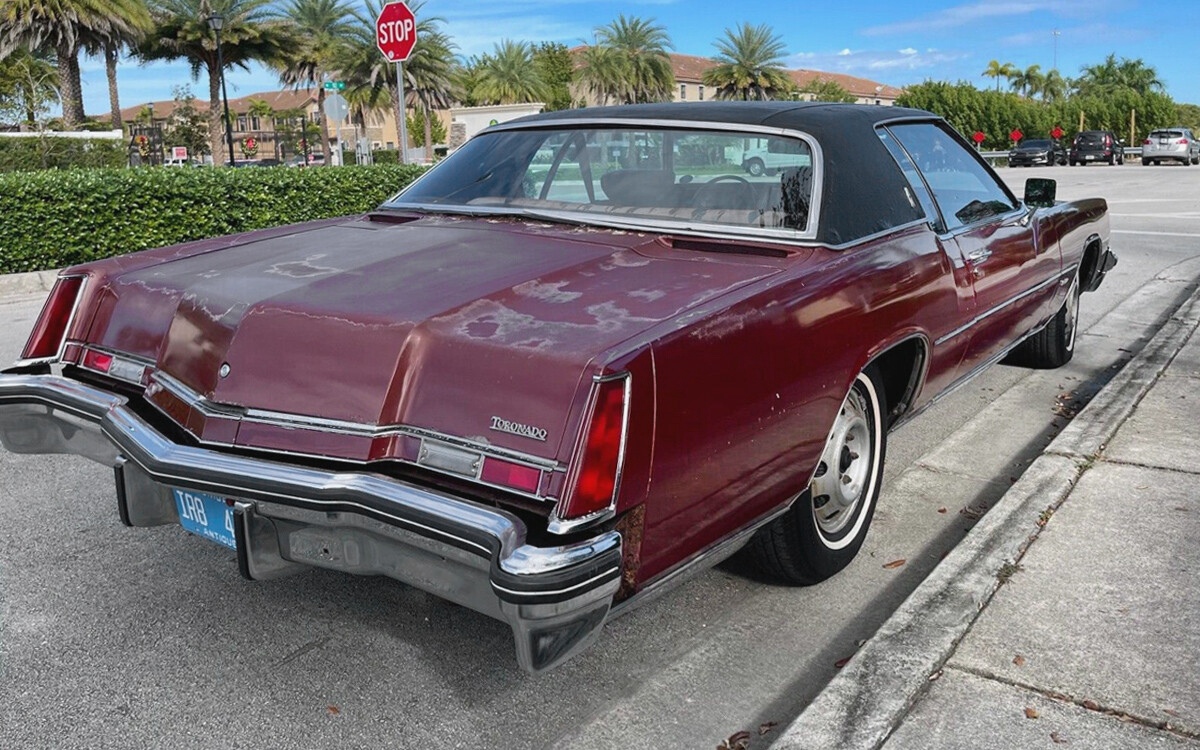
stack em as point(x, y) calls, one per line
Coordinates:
point(110, 40)
point(262, 110)
point(63, 25)
point(1112, 75)
point(509, 76)
point(1028, 82)
point(1054, 87)
point(27, 86)
point(996, 70)
point(642, 46)
point(602, 72)
point(181, 32)
point(749, 64)
point(324, 27)
point(427, 77)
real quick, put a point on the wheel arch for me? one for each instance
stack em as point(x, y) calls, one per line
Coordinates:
point(1090, 266)
point(903, 363)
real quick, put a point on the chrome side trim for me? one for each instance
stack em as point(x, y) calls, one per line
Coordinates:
point(992, 311)
point(818, 160)
point(706, 558)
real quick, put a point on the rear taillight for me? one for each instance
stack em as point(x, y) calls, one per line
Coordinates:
point(99, 361)
point(1182, 140)
point(46, 340)
point(1146, 142)
point(596, 474)
point(509, 474)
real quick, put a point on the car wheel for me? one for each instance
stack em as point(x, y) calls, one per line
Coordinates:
point(1112, 160)
point(1147, 163)
point(825, 527)
point(1054, 345)
point(755, 167)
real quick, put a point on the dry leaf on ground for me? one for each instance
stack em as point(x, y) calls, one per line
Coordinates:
point(895, 563)
point(739, 741)
point(1031, 713)
point(1019, 660)
point(768, 726)
point(1057, 738)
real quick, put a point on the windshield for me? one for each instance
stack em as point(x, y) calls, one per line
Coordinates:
point(1035, 145)
point(626, 175)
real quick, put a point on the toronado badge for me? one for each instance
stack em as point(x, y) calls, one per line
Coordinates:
point(516, 428)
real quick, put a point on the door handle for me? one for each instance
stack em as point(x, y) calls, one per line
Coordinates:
point(978, 256)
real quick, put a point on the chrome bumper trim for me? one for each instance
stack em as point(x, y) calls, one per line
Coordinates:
point(556, 599)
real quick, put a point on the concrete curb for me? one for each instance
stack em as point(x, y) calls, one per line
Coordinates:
point(865, 702)
point(14, 284)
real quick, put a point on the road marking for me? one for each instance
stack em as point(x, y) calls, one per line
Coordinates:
point(1159, 234)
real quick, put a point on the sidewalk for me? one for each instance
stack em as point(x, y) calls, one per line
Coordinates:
point(1071, 617)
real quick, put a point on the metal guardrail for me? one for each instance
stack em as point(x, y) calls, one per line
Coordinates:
point(992, 157)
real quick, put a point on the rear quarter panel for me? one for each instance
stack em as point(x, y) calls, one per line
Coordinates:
point(745, 396)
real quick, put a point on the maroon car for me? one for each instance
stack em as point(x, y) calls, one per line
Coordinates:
point(581, 357)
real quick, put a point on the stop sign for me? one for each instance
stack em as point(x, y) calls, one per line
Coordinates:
point(1056, 133)
point(1016, 135)
point(978, 136)
point(396, 31)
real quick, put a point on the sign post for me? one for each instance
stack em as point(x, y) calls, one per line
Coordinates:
point(336, 110)
point(395, 35)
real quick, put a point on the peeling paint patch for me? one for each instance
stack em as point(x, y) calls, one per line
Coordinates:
point(547, 292)
point(649, 295)
point(302, 269)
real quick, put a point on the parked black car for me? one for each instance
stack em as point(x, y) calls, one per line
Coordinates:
point(1097, 145)
point(1037, 152)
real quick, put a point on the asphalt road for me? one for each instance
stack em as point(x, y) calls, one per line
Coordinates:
point(116, 637)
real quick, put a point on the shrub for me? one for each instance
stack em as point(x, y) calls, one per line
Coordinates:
point(385, 156)
point(32, 152)
point(52, 219)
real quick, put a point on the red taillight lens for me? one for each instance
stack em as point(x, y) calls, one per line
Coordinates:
point(598, 468)
point(51, 327)
point(509, 474)
point(1146, 142)
point(98, 361)
point(1182, 140)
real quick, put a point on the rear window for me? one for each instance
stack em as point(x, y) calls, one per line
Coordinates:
point(674, 176)
point(1167, 134)
point(1090, 138)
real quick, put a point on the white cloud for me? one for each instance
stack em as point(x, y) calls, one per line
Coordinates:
point(983, 11)
point(873, 61)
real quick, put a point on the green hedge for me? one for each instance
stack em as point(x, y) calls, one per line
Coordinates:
point(52, 219)
point(31, 153)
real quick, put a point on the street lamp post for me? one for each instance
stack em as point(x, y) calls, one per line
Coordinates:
point(215, 22)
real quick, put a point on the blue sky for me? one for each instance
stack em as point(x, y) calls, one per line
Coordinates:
point(890, 41)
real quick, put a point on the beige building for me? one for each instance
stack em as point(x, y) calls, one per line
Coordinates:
point(379, 128)
point(689, 83)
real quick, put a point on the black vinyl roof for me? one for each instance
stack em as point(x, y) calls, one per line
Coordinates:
point(864, 189)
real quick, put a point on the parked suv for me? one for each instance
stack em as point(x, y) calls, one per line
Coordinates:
point(1097, 145)
point(1171, 144)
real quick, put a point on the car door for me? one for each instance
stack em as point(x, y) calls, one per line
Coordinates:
point(996, 237)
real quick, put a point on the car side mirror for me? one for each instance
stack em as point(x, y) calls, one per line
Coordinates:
point(1040, 192)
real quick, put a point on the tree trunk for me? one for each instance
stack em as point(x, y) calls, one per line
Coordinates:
point(72, 109)
point(77, 85)
point(325, 144)
point(111, 53)
point(216, 133)
point(428, 136)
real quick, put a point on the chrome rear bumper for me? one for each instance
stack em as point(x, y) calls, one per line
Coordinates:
point(556, 599)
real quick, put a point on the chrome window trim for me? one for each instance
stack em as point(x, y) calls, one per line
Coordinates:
point(66, 337)
point(816, 153)
point(557, 523)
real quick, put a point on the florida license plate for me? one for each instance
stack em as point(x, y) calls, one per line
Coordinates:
point(206, 515)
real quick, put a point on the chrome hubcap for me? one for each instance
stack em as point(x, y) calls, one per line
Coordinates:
point(841, 477)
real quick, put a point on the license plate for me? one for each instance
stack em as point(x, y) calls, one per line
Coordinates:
point(1089, 157)
point(1164, 141)
point(206, 515)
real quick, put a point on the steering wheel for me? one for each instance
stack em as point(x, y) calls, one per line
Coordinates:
point(704, 186)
